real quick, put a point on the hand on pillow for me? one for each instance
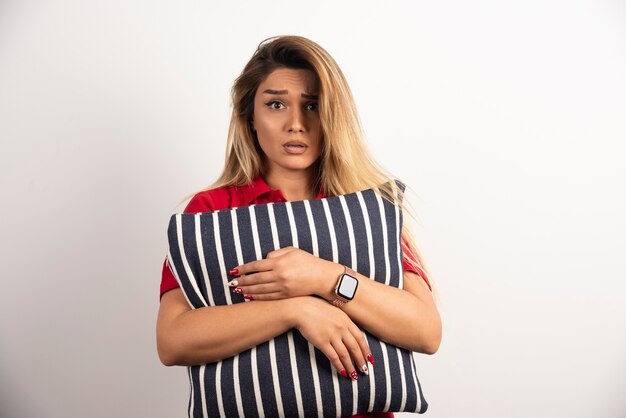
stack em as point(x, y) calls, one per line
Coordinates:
point(332, 332)
point(286, 273)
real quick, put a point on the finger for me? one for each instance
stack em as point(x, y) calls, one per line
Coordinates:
point(330, 353)
point(258, 289)
point(254, 278)
point(363, 344)
point(252, 267)
point(280, 252)
point(266, 296)
point(344, 357)
point(356, 345)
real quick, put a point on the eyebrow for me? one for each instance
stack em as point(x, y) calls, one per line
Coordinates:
point(305, 95)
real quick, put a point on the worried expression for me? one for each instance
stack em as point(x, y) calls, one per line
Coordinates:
point(286, 119)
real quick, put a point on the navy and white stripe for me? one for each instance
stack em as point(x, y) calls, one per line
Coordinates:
point(287, 376)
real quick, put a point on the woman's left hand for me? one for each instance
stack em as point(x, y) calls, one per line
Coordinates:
point(286, 273)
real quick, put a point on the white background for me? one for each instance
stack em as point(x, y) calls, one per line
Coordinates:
point(508, 120)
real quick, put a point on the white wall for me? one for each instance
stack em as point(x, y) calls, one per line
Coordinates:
point(507, 118)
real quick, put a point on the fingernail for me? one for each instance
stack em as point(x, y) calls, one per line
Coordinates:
point(248, 297)
point(343, 373)
point(233, 283)
point(370, 359)
point(234, 272)
point(364, 369)
point(354, 375)
point(238, 290)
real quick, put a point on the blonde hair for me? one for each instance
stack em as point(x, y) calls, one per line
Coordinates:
point(345, 164)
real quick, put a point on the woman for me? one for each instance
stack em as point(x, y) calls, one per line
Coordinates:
point(295, 135)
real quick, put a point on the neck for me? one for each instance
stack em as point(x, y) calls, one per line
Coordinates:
point(294, 185)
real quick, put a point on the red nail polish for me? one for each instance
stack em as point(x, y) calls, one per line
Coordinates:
point(354, 375)
point(233, 283)
point(234, 272)
point(344, 373)
point(370, 359)
point(248, 297)
point(238, 290)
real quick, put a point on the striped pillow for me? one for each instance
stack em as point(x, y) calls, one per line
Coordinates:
point(288, 376)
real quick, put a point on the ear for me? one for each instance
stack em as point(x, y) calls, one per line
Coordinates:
point(252, 125)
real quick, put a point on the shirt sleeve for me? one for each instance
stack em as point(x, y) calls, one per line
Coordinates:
point(410, 262)
point(201, 202)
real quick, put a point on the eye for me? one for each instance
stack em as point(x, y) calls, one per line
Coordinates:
point(313, 106)
point(274, 104)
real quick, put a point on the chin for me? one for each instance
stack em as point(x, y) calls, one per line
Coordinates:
point(295, 163)
point(298, 167)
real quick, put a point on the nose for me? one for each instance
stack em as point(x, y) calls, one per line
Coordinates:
point(296, 121)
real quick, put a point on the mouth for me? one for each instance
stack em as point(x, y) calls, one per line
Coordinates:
point(295, 147)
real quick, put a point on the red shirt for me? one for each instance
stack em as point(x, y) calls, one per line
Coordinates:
point(235, 196)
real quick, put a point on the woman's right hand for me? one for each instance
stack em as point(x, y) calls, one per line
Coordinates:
point(332, 331)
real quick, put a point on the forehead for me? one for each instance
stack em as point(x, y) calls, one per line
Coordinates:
point(290, 79)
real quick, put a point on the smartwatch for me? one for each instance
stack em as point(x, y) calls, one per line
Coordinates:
point(346, 287)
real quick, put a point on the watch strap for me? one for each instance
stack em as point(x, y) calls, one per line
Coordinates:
point(339, 301)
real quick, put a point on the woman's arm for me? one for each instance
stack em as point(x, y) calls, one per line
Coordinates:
point(406, 317)
point(188, 336)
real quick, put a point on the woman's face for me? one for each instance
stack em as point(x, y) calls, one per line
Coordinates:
point(287, 121)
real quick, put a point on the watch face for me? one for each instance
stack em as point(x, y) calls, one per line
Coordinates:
point(347, 286)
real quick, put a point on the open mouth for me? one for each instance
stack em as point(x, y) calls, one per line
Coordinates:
point(294, 148)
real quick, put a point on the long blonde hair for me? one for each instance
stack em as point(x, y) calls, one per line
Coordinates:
point(345, 164)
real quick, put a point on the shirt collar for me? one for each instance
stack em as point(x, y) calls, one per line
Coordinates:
point(258, 187)
point(252, 191)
